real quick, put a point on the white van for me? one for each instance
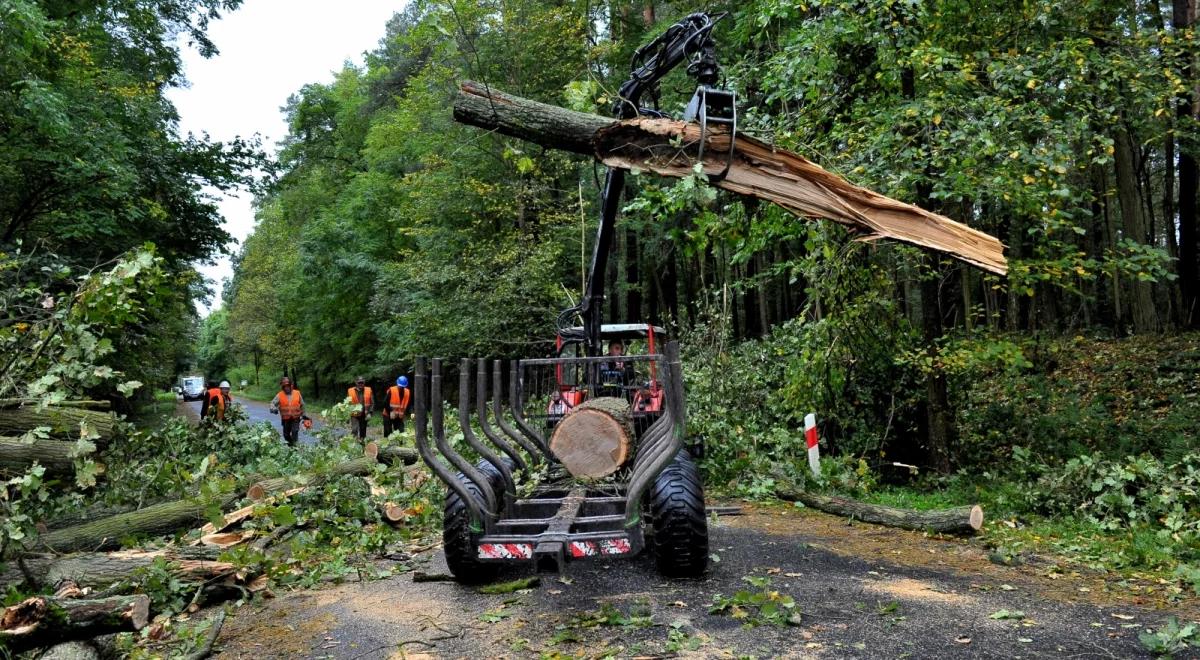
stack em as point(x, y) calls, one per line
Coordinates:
point(192, 388)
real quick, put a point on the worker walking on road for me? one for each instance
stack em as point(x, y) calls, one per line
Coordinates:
point(362, 400)
point(395, 407)
point(216, 403)
point(289, 403)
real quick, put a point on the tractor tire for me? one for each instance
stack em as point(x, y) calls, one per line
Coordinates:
point(680, 539)
point(458, 542)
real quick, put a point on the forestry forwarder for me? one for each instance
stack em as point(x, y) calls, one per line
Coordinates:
point(658, 482)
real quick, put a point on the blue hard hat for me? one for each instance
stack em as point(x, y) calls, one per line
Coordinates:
point(402, 381)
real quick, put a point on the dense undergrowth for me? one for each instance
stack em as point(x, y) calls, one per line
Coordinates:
point(329, 532)
point(1086, 447)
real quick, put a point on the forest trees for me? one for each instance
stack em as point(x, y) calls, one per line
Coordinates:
point(1067, 130)
point(92, 165)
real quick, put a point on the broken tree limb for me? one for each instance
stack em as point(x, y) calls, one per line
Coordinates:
point(63, 422)
point(44, 621)
point(594, 439)
point(357, 466)
point(669, 148)
point(57, 456)
point(964, 520)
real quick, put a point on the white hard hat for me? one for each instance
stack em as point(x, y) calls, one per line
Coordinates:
point(224, 384)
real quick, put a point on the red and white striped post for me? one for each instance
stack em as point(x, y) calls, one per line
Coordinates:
point(810, 436)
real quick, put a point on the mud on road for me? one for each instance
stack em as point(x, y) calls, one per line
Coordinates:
point(861, 591)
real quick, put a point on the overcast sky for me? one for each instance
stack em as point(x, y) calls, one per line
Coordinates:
point(269, 49)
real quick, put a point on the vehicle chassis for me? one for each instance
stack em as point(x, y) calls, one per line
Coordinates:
point(553, 524)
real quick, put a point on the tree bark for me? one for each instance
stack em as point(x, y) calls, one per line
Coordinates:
point(106, 533)
point(43, 621)
point(357, 466)
point(100, 570)
point(1133, 219)
point(56, 456)
point(1183, 18)
point(959, 520)
point(669, 148)
point(595, 438)
point(63, 422)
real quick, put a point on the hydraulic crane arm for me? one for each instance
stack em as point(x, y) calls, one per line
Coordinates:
point(689, 40)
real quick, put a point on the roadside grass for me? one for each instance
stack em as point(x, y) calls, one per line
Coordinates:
point(1010, 533)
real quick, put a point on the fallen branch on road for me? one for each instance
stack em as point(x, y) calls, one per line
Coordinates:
point(963, 520)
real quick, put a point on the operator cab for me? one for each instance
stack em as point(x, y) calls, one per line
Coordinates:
point(636, 382)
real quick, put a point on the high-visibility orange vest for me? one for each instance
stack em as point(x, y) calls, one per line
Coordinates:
point(216, 404)
point(398, 398)
point(289, 406)
point(367, 396)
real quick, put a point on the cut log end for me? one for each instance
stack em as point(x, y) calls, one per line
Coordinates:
point(371, 450)
point(594, 439)
point(393, 513)
point(257, 493)
point(975, 519)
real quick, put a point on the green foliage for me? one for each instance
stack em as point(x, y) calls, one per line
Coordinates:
point(760, 606)
point(1171, 638)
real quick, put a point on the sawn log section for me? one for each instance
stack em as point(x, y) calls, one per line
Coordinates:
point(595, 438)
point(669, 148)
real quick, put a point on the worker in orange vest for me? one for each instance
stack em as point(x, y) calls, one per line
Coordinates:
point(216, 403)
point(395, 407)
point(362, 402)
point(289, 404)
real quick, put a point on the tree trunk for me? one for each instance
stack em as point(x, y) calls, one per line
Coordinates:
point(63, 422)
point(100, 570)
point(1133, 218)
point(106, 533)
point(758, 170)
point(56, 456)
point(357, 466)
point(1186, 109)
point(85, 404)
point(959, 520)
point(43, 621)
point(594, 439)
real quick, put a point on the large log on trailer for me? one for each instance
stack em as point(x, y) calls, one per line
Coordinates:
point(63, 422)
point(670, 148)
point(44, 621)
point(57, 456)
point(964, 520)
point(595, 438)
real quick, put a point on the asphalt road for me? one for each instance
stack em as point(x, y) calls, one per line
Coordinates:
point(258, 412)
point(861, 591)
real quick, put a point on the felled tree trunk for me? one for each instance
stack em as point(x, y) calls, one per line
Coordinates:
point(964, 520)
point(54, 455)
point(670, 148)
point(595, 438)
point(43, 621)
point(106, 533)
point(81, 403)
point(99, 570)
point(357, 466)
point(63, 422)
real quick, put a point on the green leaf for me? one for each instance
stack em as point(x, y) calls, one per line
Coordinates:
point(283, 516)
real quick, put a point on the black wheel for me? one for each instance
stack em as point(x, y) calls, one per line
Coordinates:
point(458, 542)
point(680, 540)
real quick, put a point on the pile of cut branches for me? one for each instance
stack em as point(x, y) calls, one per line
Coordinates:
point(128, 552)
